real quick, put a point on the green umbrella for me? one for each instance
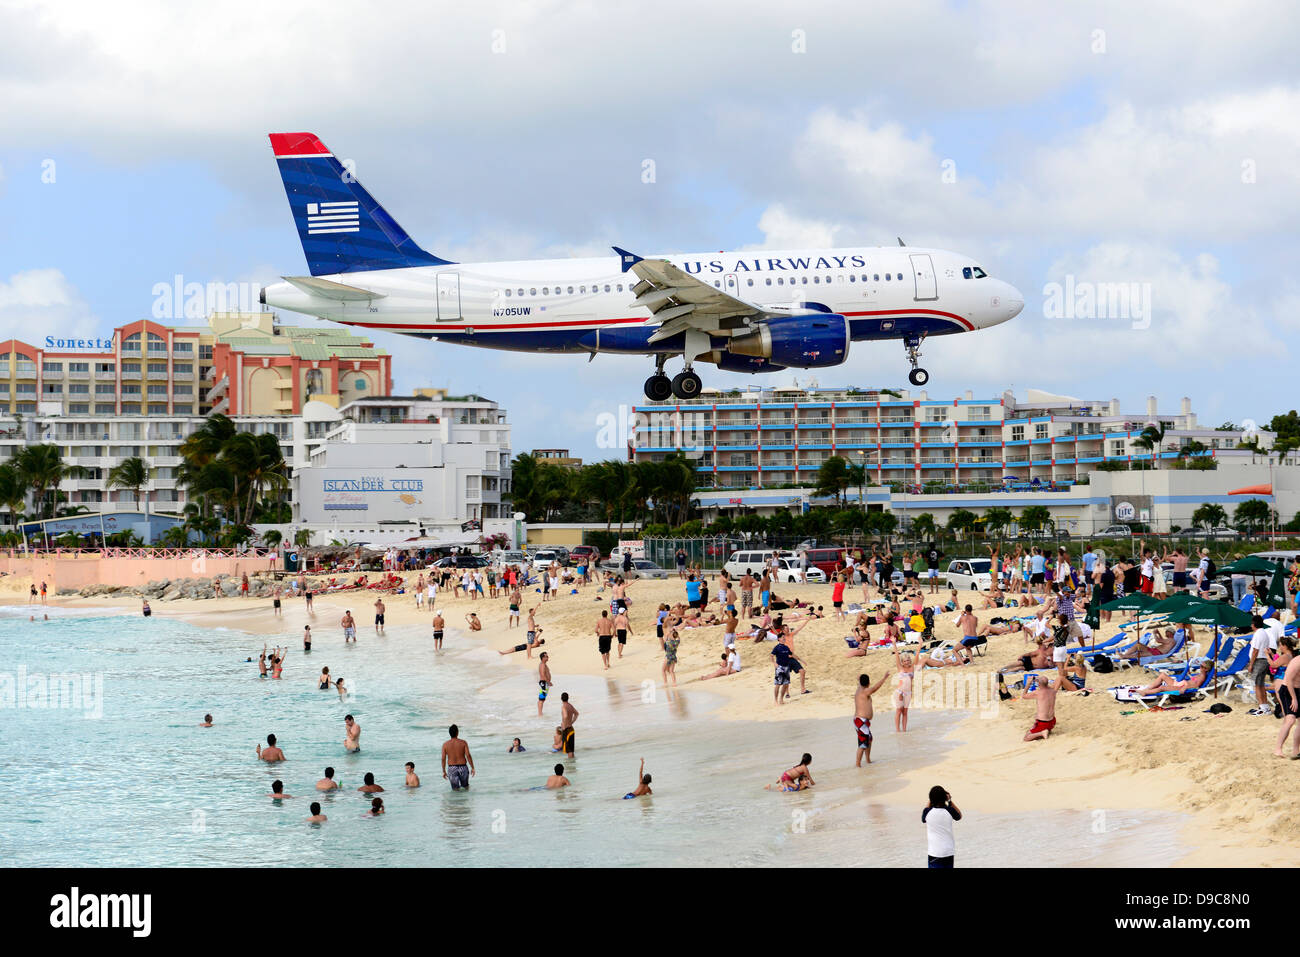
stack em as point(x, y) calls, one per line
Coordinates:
point(1137, 602)
point(1250, 565)
point(1276, 595)
point(1215, 614)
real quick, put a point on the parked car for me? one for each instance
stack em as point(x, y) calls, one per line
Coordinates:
point(971, 574)
point(641, 568)
point(581, 553)
point(752, 560)
point(1115, 531)
point(461, 561)
point(827, 559)
point(544, 558)
point(511, 557)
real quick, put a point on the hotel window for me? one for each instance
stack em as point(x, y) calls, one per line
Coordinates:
point(131, 390)
point(183, 347)
point(157, 343)
point(51, 388)
point(183, 367)
point(105, 366)
point(26, 407)
point(78, 366)
point(156, 409)
point(27, 388)
point(102, 408)
point(1017, 433)
point(79, 408)
point(104, 389)
point(205, 352)
point(79, 388)
point(1040, 430)
point(184, 390)
point(130, 367)
point(157, 390)
point(52, 368)
point(157, 368)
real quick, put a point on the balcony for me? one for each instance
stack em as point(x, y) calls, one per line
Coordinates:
point(218, 390)
point(157, 373)
point(105, 374)
point(131, 375)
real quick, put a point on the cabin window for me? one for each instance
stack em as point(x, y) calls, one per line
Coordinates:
point(877, 277)
point(853, 278)
point(570, 290)
point(546, 290)
point(769, 280)
point(965, 272)
point(507, 293)
point(533, 291)
point(749, 282)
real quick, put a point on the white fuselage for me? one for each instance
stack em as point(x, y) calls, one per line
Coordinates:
point(560, 304)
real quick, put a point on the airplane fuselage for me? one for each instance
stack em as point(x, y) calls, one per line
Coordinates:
point(586, 305)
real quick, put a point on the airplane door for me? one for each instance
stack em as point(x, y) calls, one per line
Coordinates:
point(923, 273)
point(448, 296)
point(731, 285)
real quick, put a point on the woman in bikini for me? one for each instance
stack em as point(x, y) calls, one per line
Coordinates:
point(798, 778)
point(1167, 685)
point(901, 696)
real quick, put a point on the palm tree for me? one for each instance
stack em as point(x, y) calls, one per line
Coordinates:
point(302, 538)
point(1150, 439)
point(131, 474)
point(272, 537)
point(13, 490)
point(41, 469)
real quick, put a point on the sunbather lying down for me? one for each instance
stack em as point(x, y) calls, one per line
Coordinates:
point(1168, 685)
point(1150, 645)
point(1000, 628)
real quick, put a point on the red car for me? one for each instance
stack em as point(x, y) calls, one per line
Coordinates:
point(583, 553)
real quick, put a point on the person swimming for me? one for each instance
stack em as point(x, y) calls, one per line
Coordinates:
point(642, 786)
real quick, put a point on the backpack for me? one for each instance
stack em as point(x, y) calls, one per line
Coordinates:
point(1210, 568)
point(1102, 664)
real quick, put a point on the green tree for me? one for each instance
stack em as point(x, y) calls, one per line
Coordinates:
point(13, 490)
point(961, 521)
point(41, 469)
point(833, 477)
point(1150, 439)
point(1209, 515)
point(1036, 517)
point(1252, 514)
point(923, 526)
point(131, 474)
point(272, 537)
point(996, 519)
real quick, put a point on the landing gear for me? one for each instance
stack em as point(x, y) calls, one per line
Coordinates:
point(687, 385)
point(658, 387)
point(917, 376)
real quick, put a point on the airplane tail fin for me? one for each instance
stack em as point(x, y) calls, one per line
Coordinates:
point(341, 226)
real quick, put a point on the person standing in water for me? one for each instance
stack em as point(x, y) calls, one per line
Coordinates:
point(352, 740)
point(272, 752)
point(349, 625)
point(543, 680)
point(457, 762)
point(438, 625)
point(642, 784)
point(379, 616)
point(306, 637)
point(568, 715)
point(863, 712)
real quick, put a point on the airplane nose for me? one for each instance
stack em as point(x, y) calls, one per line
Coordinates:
point(1006, 305)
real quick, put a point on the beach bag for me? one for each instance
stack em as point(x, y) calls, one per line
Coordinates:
point(1101, 664)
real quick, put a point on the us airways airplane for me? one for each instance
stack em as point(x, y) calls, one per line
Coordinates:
point(749, 311)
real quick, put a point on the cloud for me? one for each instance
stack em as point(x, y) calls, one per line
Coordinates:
point(43, 300)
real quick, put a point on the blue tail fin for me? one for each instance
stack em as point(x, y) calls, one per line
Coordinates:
point(342, 228)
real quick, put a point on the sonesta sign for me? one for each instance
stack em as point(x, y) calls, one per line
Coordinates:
point(67, 345)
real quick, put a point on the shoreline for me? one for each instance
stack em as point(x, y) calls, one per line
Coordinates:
point(1219, 771)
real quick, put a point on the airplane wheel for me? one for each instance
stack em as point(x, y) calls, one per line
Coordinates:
point(918, 377)
point(658, 388)
point(687, 385)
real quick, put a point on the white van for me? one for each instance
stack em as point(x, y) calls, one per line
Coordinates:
point(756, 560)
point(970, 574)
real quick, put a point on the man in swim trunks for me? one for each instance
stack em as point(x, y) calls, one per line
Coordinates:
point(516, 598)
point(438, 625)
point(746, 595)
point(557, 780)
point(568, 715)
point(457, 762)
point(349, 627)
point(327, 783)
point(1045, 694)
point(863, 712)
point(275, 601)
point(604, 636)
point(352, 741)
point(543, 681)
point(306, 637)
point(379, 616)
point(622, 628)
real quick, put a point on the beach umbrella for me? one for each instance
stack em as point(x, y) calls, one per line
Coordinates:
point(1250, 565)
point(1215, 614)
point(1276, 595)
point(1137, 602)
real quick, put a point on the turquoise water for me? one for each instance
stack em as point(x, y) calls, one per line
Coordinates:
point(139, 783)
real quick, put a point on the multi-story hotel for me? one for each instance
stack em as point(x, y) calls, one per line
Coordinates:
point(141, 391)
point(780, 437)
point(239, 364)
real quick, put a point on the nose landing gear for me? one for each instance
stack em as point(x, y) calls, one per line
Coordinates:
point(917, 376)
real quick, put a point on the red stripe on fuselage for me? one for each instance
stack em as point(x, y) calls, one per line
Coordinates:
point(615, 322)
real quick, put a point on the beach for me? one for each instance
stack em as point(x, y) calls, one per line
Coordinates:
point(1215, 775)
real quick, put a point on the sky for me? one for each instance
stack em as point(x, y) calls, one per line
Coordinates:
point(1060, 146)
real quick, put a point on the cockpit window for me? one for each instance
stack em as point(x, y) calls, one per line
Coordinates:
point(965, 272)
point(980, 273)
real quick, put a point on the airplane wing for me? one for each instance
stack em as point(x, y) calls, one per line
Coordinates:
point(681, 302)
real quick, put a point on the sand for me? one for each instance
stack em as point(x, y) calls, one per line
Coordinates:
point(1219, 770)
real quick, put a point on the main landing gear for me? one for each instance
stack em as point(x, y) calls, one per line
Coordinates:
point(917, 376)
point(685, 385)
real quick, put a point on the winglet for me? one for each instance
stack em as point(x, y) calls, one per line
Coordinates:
point(627, 259)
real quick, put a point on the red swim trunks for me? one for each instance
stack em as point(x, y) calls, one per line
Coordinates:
point(863, 727)
point(1042, 726)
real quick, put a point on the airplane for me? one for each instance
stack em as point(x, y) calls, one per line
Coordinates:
point(747, 311)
